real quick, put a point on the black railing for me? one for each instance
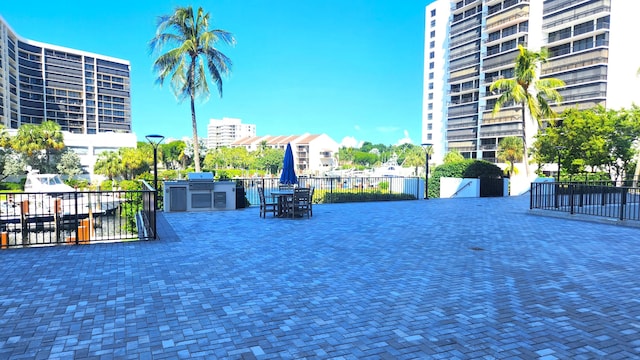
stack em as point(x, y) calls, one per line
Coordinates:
point(604, 200)
point(343, 189)
point(82, 217)
point(146, 218)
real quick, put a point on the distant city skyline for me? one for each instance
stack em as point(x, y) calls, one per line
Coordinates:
point(352, 70)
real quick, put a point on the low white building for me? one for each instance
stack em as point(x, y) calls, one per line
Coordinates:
point(89, 146)
point(313, 154)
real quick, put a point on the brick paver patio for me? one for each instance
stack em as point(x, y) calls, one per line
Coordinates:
point(463, 278)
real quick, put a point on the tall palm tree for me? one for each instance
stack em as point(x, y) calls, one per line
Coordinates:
point(192, 45)
point(109, 164)
point(52, 138)
point(510, 151)
point(529, 91)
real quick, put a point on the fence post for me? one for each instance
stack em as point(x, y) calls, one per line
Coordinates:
point(623, 202)
point(24, 221)
point(571, 188)
point(75, 201)
point(534, 188)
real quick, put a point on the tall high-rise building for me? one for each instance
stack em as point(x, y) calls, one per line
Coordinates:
point(588, 43)
point(226, 131)
point(85, 93)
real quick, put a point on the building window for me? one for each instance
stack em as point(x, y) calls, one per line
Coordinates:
point(494, 36)
point(583, 28)
point(430, 96)
point(429, 137)
point(492, 50)
point(429, 126)
point(433, 13)
point(430, 76)
point(509, 31)
point(511, 44)
point(433, 34)
point(601, 40)
point(583, 44)
point(429, 116)
point(431, 65)
point(432, 55)
point(560, 35)
point(430, 86)
point(433, 23)
point(432, 45)
point(430, 106)
point(80, 150)
point(559, 50)
point(602, 23)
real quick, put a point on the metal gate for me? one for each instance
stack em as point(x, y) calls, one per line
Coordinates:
point(491, 187)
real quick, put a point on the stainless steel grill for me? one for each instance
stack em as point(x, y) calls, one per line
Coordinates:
point(201, 181)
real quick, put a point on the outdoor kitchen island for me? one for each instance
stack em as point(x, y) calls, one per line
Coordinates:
point(199, 193)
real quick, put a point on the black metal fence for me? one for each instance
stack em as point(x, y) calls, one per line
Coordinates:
point(343, 189)
point(82, 217)
point(604, 199)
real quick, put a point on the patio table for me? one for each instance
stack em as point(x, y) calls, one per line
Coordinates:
point(282, 196)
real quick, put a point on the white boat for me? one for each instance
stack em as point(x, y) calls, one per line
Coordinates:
point(44, 192)
point(46, 183)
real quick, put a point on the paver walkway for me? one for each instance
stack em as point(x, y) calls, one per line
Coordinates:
point(442, 279)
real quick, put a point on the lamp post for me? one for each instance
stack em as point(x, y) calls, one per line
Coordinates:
point(155, 141)
point(558, 148)
point(427, 147)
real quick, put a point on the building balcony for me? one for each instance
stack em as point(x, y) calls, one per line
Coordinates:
point(461, 148)
point(500, 133)
point(560, 6)
point(575, 15)
point(461, 137)
point(506, 19)
point(462, 28)
point(575, 61)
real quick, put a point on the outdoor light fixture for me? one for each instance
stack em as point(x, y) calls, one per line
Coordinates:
point(427, 147)
point(155, 141)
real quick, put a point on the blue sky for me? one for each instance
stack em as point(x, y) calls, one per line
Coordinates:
point(347, 68)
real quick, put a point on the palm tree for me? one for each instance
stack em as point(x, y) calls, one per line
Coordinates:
point(414, 156)
point(52, 138)
point(184, 64)
point(109, 164)
point(510, 150)
point(530, 92)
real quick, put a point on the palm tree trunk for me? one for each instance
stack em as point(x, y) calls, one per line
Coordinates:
point(196, 142)
point(524, 142)
point(194, 123)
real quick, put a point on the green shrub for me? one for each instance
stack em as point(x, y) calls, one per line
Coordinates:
point(11, 186)
point(130, 185)
point(482, 168)
point(468, 168)
point(106, 185)
point(77, 184)
point(383, 185)
point(327, 197)
point(227, 174)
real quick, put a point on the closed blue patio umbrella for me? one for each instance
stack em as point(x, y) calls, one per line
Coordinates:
point(288, 175)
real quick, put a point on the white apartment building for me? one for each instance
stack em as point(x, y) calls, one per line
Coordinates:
point(434, 97)
point(588, 43)
point(313, 154)
point(226, 131)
